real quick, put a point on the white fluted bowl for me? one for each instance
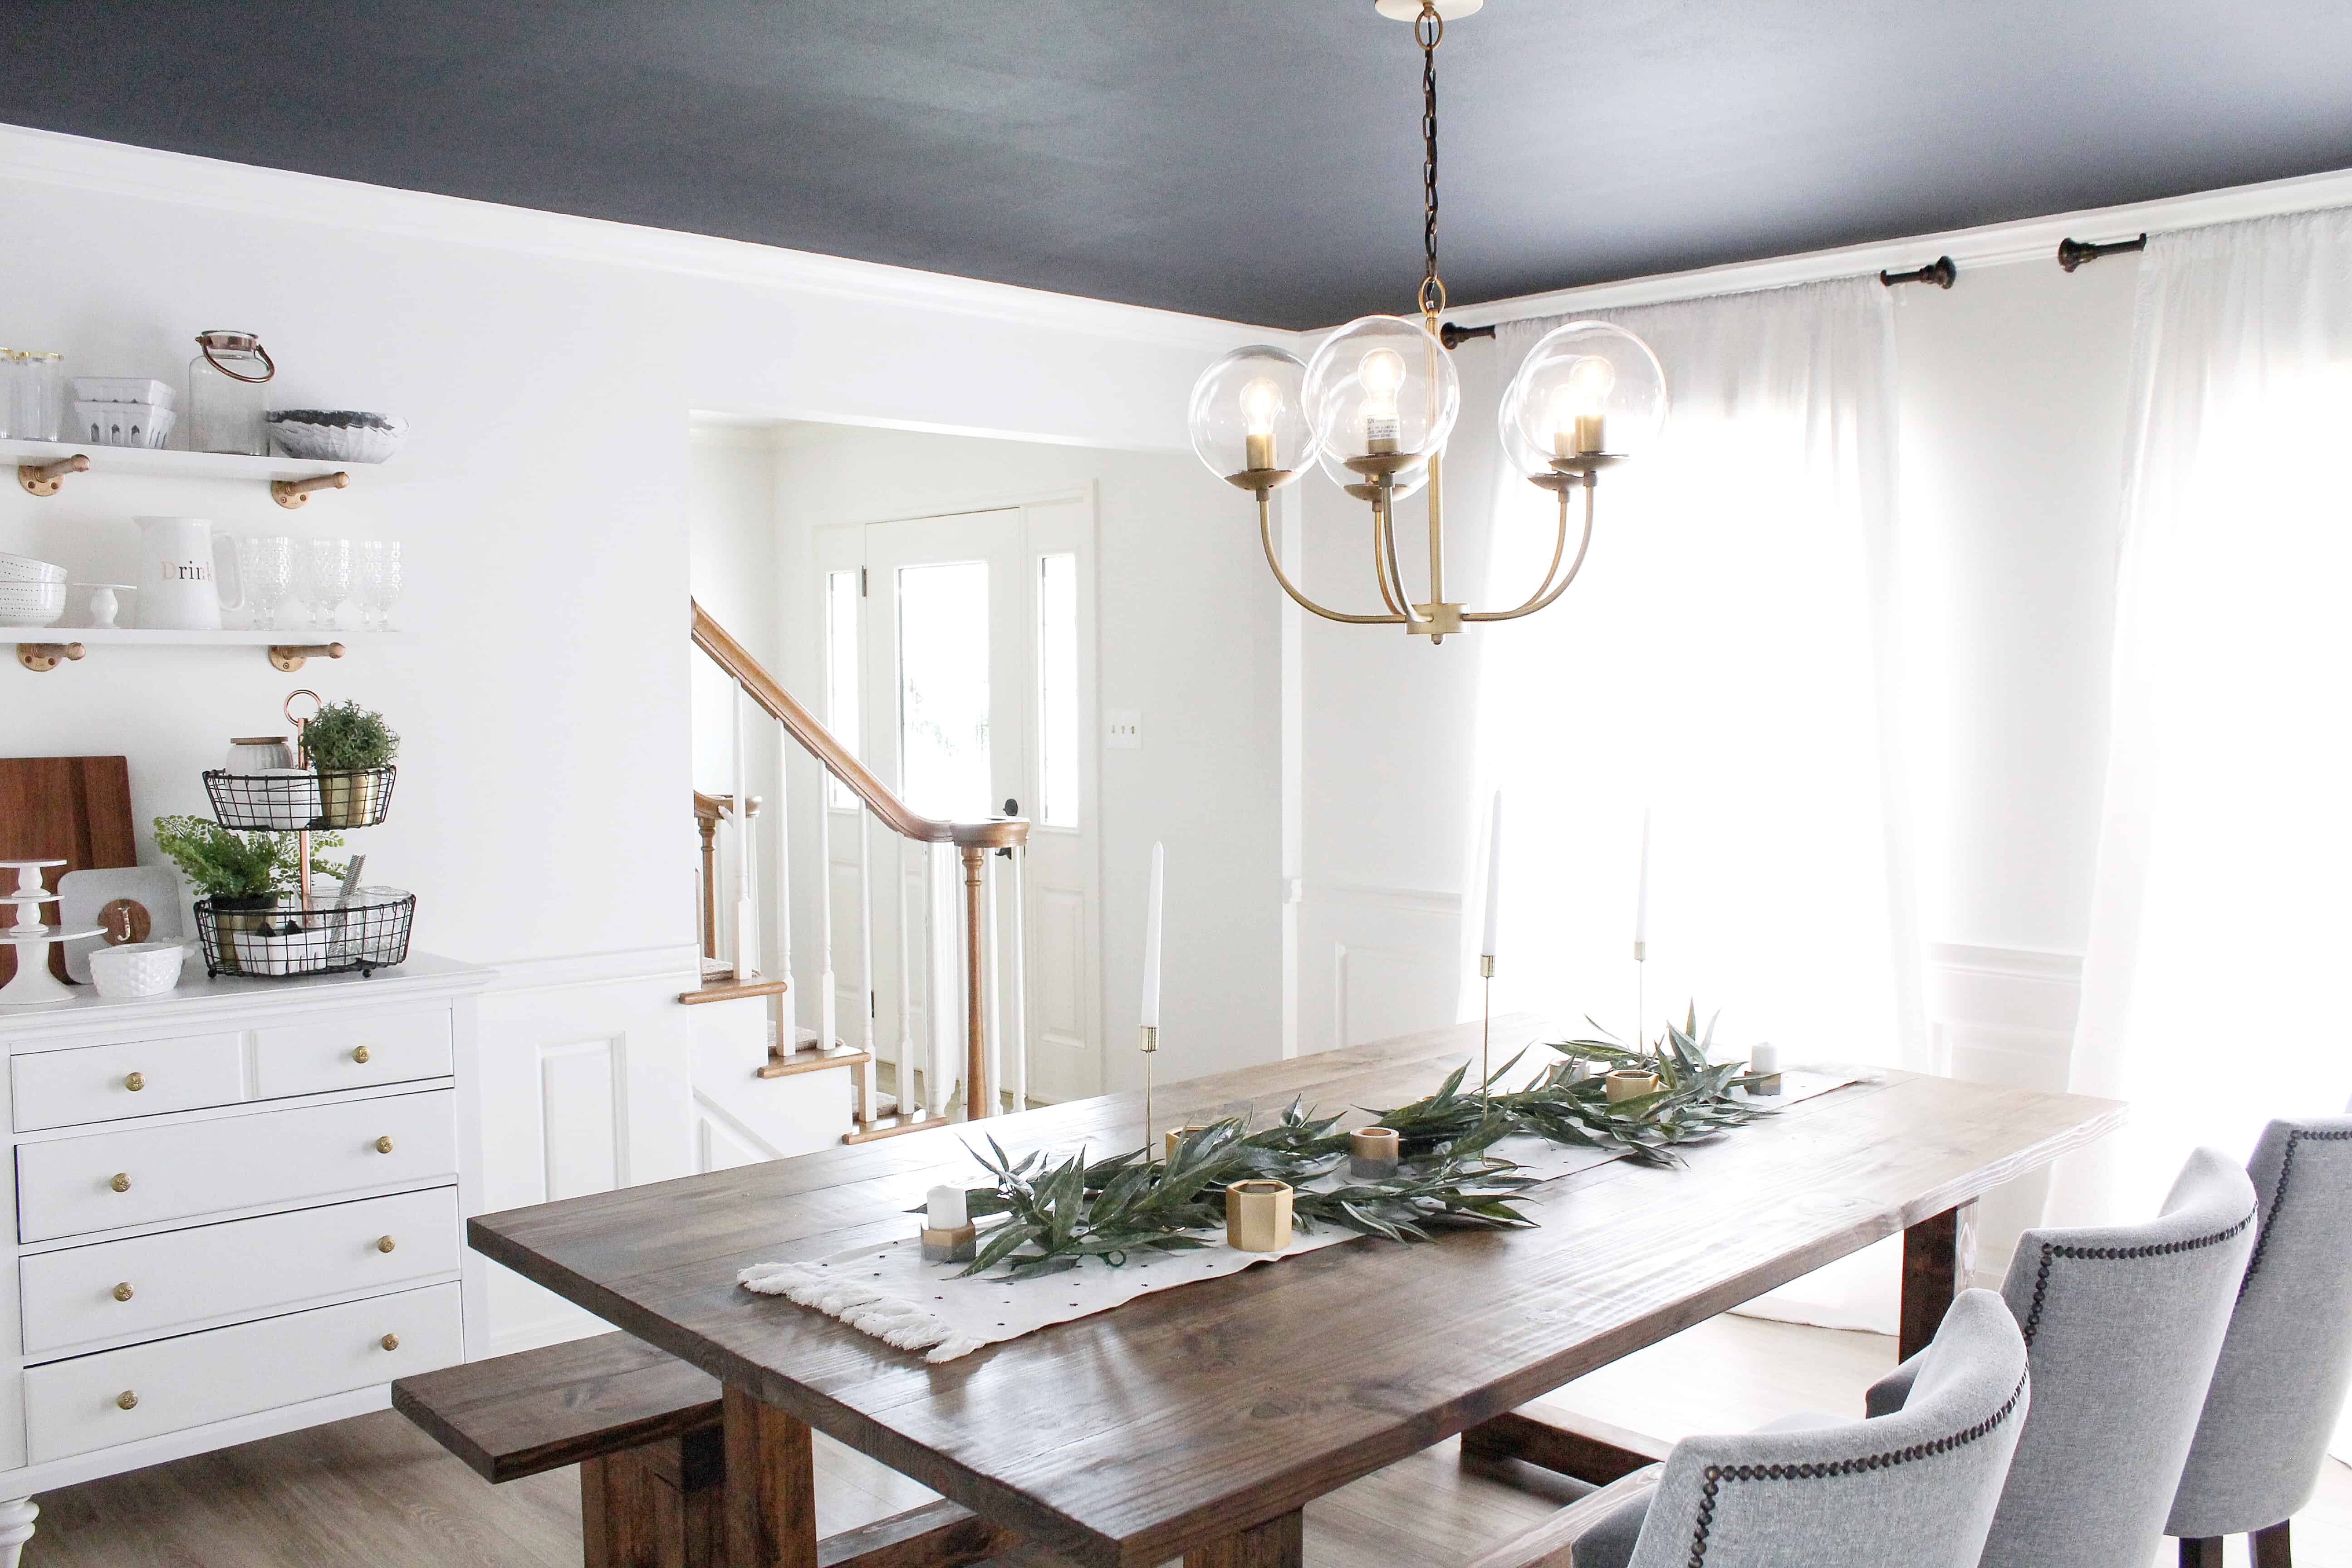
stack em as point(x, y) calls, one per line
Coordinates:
point(136, 968)
point(337, 435)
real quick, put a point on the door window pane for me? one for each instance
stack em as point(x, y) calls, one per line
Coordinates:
point(1057, 689)
point(943, 688)
point(841, 644)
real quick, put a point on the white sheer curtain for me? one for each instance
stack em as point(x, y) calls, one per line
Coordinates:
point(1728, 661)
point(2220, 923)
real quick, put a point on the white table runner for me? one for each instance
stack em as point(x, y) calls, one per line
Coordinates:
point(890, 1292)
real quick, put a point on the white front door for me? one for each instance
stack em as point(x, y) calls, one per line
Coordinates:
point(959, 649)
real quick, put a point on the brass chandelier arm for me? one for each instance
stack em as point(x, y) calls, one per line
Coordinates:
point(1391, 593)
point(1549, 591)
point(1386, 541)
point(1266, 538)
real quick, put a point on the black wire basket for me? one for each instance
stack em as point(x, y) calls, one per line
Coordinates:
point(291, 800)
point(278, 940)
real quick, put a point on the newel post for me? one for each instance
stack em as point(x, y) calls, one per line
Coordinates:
point(976, 1091)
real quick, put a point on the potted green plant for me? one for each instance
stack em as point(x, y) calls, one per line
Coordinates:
point(352, 749)
point(246, 878)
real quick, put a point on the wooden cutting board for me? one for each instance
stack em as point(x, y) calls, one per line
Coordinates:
point(76, 809)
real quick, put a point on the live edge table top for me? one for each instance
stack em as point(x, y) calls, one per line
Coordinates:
point(1125, 1439)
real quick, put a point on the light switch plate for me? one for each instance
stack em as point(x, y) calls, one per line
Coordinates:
point(1123, 730)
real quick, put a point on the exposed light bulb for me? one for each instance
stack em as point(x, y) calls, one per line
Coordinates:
point(1381, 372)
point(1585, 396)
point(1261, 401)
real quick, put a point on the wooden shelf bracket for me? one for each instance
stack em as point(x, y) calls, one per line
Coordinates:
point(41, 658)
point(43, 479)
point(293, 493)
point(289, 656)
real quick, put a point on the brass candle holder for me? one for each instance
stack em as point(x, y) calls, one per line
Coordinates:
point(1374, 1153)
point(1258, 1216)
point(1626, 1084)
point(1175, 1135)
point(955, 1245)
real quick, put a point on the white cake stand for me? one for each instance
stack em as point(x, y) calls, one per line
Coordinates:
point(34, 987)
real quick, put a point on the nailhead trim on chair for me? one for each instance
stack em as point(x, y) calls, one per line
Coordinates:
point(1719, 1474)
point(2051, 1250)
point(2278, 1198)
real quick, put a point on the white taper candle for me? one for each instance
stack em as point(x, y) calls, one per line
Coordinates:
point(1642, 894)
point(1151, 937)
point(1493, 876)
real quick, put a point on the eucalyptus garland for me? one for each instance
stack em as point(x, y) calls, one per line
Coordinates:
point(1058, 1215)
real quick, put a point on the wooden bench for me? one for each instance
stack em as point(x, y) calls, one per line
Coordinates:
point(643, 1427)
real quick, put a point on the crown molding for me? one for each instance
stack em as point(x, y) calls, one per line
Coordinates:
point(81, 162)
point(1991, 245)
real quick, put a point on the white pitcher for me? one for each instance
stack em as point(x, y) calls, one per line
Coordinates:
point(188, 575)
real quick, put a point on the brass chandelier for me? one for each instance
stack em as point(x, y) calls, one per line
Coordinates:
point(1376, 404)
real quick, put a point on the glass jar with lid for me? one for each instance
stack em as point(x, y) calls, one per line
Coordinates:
point(226, 402)
point(29, 384)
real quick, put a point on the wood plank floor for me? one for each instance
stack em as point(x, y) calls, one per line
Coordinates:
point(374, 1491)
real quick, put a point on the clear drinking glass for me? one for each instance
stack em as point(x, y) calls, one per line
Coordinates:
point(266, 566)
point(378, 568)
point(327, 580)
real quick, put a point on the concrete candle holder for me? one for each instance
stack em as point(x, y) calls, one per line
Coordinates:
point(1372, 1153)
point(1258, 1216)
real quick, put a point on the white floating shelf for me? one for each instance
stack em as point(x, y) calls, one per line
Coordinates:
point(44, 648)
point(173, 465)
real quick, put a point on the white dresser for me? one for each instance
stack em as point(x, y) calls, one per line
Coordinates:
point(239, 1210)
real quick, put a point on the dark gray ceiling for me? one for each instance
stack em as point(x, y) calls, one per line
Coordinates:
point(1253, 159)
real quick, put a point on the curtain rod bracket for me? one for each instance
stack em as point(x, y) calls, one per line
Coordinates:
point(1452, 335)
point(1940, 272)
point(2072, 253)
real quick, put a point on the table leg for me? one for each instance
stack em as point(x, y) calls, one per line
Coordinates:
point(1934, 1264)
point(771, 1503)
point(1278, 1543)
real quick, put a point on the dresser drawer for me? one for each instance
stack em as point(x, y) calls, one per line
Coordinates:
point(141, 1175)
point(353, 1050)
point(148, 1286)
point(74, 1407)
point(102, 1083)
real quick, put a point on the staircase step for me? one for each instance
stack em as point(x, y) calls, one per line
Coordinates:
point(870, 1131)
point(783, 1064)
point(732, 990)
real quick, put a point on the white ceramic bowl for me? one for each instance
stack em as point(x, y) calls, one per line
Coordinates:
point(32, 604)
point(25, 569)
point(136, 968)
point(337, 435)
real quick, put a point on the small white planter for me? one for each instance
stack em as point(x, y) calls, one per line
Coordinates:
point(297, 952)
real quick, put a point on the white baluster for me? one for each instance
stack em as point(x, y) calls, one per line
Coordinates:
point(943, 997)
point(1020, 978)
point(904, 1069)
point(787, 1007)
point(744, 955)
point(866, 1074)
point(828, 1003)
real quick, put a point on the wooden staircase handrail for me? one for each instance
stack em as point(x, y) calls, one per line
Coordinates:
point(719, 807)
point(780, 705)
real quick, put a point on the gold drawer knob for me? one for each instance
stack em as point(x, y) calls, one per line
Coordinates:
point(390, 1341)
point(126, 1400)
point(122, 1291)
point(121, 1182)
point(135, 1081)
point(360, 1055)
point(384, 1244)
point(383, 1145)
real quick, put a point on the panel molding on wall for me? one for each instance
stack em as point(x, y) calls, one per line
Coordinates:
point(1386, 961)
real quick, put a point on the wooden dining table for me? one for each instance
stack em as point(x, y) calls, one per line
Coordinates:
point(1197, 1422)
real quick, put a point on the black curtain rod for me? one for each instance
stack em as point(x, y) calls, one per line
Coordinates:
point(2072, 253)
point(1940, 272)
point(1452, 335)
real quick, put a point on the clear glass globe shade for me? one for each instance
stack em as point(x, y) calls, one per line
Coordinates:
point(1520, 456)
point(1381, 387)
point(1588, 388)
point(1407, 482)
point(1249, 415)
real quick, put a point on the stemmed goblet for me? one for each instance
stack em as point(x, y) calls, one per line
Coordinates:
point(327, 580)
point(379, 580)
point(266, 567)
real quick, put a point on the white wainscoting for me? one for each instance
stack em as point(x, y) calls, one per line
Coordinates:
point(1379, 962)
point(2003, 1014)
point(587, 1082)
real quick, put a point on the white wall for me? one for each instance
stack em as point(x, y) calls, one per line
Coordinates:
point(1188, 635)
point(547, 366)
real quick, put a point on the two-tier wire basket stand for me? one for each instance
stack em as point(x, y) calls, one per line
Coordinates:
point(317, 931)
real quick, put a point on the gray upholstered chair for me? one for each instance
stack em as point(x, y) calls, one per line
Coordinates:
point(2288, 1357)
point(1916, 1487)
point(2124, 1324)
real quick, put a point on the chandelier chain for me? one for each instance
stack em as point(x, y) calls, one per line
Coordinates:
point(1429, 30)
